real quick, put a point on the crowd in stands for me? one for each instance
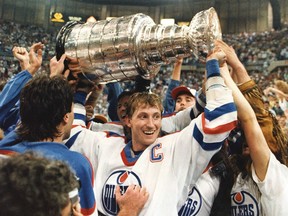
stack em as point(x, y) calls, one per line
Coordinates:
point(253, 49)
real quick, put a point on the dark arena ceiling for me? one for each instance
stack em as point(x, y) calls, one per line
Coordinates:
point(132, 2)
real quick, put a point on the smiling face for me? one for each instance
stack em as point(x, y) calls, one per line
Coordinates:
point(144, 119)
point(145, 126)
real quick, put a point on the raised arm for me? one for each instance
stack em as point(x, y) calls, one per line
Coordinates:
point(169, 102)
point(30, 63)
point(258, 148)
point(273, 134)
point(114, 90)
point(276, 91)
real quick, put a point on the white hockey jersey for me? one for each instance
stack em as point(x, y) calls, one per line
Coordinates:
point(170, 123)
point(201, 196)
point(167, 167)
point(245, 197)
point(274, 188)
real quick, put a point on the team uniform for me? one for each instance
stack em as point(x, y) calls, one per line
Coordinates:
point(249, 196)
point(170, 122)
point(9, 113)
point(201, 196)
point(245, 197)
point(273, 188)
point(58, 151)
point(11, 144)
point(167, 167)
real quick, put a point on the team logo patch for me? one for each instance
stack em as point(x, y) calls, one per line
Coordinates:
point(192, 205)
point(244, 204)
point(108, 191)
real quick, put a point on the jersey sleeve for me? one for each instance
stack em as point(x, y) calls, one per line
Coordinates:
point(169, 102)
point(114, 90)
point(85, 173)
point(177, 121)
point(10, 95)
point(196, 144)
point(274, 187)
point(83, 140)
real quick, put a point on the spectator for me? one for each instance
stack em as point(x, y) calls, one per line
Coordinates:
point(184, 97)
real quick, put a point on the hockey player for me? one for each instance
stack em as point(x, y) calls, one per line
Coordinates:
point(46, 111)
point(166, 165)
point(170, 122)
point(41, 89)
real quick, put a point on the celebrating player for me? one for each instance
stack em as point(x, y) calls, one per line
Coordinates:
point(166, 165)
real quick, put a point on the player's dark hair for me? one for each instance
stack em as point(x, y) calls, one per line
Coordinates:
point(33, 185)
point(223, 169)
point(227, 169)
point(44, 101)
point(125, 94)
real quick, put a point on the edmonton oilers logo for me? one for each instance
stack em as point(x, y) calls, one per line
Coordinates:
point(108, 191)
point(244, 204)
point(192, 205)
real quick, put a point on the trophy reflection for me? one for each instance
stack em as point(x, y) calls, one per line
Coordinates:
point(124, 47)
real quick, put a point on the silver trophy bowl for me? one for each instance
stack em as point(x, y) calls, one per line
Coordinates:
point(124, 47)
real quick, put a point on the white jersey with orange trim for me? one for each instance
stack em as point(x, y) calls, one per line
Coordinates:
point(170, 122)
point(115, 127)
point(201, 196)
point(274, 188)
point(167, 167)
point(245, 197)
point(249, 196)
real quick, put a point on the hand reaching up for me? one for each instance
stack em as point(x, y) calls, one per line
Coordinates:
point(219, 55)
point(57, 67)
point(21, 54)
point(239, 72)
point(29, 61)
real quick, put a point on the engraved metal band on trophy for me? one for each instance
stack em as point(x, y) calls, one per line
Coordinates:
point(125, 47)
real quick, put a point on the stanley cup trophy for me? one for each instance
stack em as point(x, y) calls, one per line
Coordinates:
point(124, 47)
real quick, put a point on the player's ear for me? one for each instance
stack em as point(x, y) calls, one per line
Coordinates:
point(66, 118)
point(127, 121)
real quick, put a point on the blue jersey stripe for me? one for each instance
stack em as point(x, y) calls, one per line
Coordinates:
point(219, 111)
point(71, 140)
point(80, 117)
point(206, 146)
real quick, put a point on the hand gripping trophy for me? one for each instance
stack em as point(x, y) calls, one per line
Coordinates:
point(124, 47)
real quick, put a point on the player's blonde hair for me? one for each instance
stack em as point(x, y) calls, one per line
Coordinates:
point(143, 98)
